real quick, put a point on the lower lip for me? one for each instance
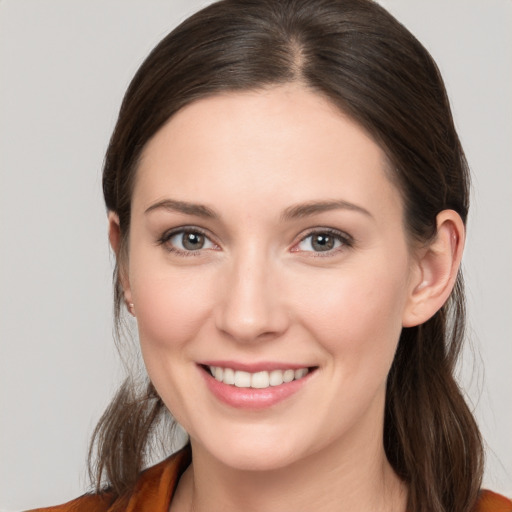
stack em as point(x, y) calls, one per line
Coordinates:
point(251, 398)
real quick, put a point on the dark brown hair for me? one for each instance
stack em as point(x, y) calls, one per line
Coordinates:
point(359, 57)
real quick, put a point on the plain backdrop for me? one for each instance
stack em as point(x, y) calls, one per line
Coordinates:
point(64, 66)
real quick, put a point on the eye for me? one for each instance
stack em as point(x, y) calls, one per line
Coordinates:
point(187, 241)
point(323, 241)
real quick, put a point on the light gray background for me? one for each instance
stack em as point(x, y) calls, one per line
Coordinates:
point(64, 65)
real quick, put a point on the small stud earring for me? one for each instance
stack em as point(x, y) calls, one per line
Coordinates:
point(131, 308)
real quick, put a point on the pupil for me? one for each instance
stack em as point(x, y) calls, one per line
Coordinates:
point(193, 241)
point(323, 242)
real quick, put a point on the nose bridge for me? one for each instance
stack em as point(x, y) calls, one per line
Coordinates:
point(251, 306)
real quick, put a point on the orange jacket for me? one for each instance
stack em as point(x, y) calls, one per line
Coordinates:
point(155, 487)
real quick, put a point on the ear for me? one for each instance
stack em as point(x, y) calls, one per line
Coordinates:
point(114, 236)
point(437, 266)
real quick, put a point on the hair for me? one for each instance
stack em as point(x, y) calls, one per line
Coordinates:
point(355, 54)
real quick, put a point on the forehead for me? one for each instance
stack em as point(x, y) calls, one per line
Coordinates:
point(282, 144)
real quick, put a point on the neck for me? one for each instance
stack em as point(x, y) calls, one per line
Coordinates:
point(350, 476)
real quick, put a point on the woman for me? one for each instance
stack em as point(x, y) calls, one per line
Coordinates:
point(287, 198)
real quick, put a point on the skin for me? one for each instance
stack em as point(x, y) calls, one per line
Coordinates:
point(258, 290)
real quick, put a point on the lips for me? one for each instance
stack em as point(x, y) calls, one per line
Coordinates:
point(256, 386)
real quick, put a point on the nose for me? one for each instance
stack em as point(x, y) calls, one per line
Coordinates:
point(251, 306)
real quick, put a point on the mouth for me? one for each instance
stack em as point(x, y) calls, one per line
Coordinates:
point(264, 387)
point(256, 380)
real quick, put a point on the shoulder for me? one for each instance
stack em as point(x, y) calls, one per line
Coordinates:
point(489, 501)
point(153, 490)
point(86, 503)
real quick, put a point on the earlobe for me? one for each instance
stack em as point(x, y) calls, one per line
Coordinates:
point(438, 265)
point(114, 236)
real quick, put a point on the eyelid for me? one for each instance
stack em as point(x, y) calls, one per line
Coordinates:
point(167, 235)
point(346, 240)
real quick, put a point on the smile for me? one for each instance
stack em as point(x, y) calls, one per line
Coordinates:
point(257, 380)
point(254, 386)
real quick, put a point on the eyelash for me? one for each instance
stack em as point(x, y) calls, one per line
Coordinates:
point(166, 237)
point(345, 239)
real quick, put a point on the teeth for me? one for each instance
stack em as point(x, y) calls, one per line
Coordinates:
point(229, 376)
point(288, 375)
point(301, 373)
point(275, 377)
point(242, 379)
point(258, 380)
point(219, 373)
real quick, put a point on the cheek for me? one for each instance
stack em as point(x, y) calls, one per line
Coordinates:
point(358, 313)
point(171, 306)
point(171, 309)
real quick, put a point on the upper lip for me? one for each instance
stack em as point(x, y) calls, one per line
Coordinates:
point(260, 366)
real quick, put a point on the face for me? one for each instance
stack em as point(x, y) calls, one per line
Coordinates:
point(267, 248)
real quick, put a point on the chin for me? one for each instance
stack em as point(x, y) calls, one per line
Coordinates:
point(250, 452)
point(257, 460)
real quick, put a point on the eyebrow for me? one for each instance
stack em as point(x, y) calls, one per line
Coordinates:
point(199, 210)
point(312, 208)
point(292, 212)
